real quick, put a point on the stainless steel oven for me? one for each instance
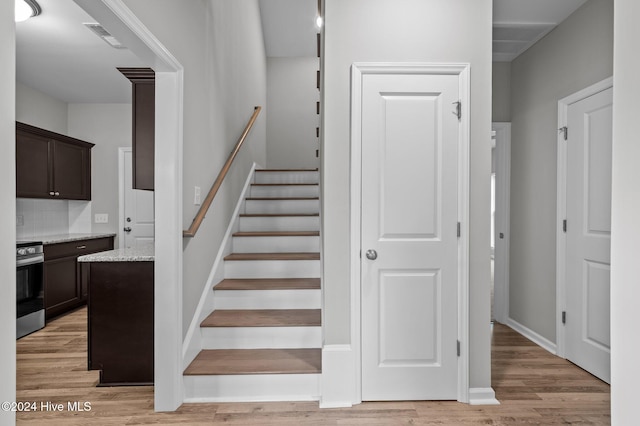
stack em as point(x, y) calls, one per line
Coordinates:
point(29, 287)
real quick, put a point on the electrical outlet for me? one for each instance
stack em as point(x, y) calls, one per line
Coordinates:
point(19, 220)
point(101, 218)
point(196, 196)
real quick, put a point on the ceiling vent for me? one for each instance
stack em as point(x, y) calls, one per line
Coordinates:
point(105, 35)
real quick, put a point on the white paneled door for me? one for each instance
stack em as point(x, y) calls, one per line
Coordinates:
point(137, 224)
point(409, 242)
point(588, 233)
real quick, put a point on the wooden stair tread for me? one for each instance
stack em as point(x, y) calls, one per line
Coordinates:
point(278, 234)
point(287, 170)
point(281, 198)
point(285, 184)
point(269, 284)
point(273, 256)
point(279, 214)
point(263, 318)
point(256, 361)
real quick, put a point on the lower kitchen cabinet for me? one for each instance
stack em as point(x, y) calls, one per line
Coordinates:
point(121, 306)
point(65, 286)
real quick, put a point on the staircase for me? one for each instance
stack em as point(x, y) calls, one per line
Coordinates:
point(262, 341)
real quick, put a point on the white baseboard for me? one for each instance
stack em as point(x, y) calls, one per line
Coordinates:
point(482, 396)
point(533, 336)
point(338, 382)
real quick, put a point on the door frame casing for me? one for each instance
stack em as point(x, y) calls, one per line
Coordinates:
point(462, 70)
point(561, 202)
point(502, 220)
point(121, 193)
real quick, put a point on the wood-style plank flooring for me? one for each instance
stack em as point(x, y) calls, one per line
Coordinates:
point(533, 386)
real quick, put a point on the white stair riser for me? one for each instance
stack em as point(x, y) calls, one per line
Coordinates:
point(275, 244)
point(285, 191)
point(252, 387)
point(261, 337)
point(267, 299)
point(287, 177)
point(271, 268)
point(279, 223)
point(281, 206)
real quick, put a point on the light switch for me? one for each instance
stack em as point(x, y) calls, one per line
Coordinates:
point(19, 220)
point(196, 196)
point(101, 218)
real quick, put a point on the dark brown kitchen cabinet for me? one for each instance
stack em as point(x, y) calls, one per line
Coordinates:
point(143, 139)
point(121, 323)
point(51, 165)
point(65, 285)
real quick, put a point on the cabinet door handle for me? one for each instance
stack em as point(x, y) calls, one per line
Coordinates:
point(81, 247)
point(52, 193)
point(57, 194)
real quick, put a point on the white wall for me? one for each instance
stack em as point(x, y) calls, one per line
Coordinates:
point(7, 212)
point(573, 56)
point(625, 234)
point(291, 113)
point(404, 31)
point(108, 126)
point(40, 109)
point(219, 43)
point(501, 92)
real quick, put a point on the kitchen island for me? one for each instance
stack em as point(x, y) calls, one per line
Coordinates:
point(120, 315)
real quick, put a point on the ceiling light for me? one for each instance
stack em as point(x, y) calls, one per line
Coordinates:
point(319, 21)
point(25, 9)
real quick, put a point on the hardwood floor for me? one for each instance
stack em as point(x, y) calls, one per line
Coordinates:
point(533, 386)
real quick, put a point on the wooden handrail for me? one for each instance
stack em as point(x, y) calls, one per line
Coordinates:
point(197, 221)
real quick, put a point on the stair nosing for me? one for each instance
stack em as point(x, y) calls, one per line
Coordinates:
point(285, 184)
point(277, 234)
point(282, 198)
point(224, 318)
point(295, 256)
point(266, 284)
point(286, 170)
point(279, 214)
point(263, 358)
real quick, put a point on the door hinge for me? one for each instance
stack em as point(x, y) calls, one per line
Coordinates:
point(459, 232)
point(564, 130)
point(458, 111)
point(564, 226)
point(458, 347)
point(564, 317)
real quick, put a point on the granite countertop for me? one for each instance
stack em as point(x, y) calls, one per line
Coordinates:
point(143, 254)
point(65, 238)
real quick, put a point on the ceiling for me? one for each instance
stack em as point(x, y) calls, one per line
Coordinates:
point(519, 24)
point(58, 55)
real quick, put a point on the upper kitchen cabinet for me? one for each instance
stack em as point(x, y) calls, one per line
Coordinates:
point(51, 165)
point(144, 109)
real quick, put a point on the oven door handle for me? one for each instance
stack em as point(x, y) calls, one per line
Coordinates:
point(30, 261)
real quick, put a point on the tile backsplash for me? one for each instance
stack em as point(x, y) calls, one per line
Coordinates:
point(47, 217)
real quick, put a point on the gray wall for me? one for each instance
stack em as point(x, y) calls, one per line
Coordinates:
point(501, 92)
point(625, 233)
point(7, 212)
point(220, 46)
point(403, 31)
point(291, 115)
point(40, 109)
point(573, 56)
point(109, 127)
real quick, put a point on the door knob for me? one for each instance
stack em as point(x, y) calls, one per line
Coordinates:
point(127, 229)
point(372, 254)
